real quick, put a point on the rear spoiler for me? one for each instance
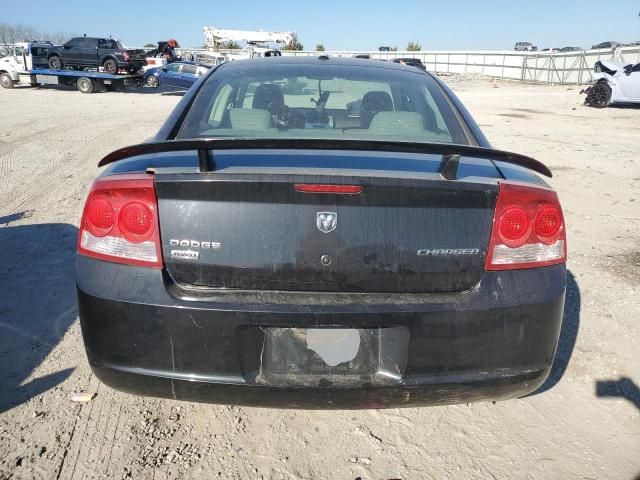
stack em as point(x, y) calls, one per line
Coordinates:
point(448, 167)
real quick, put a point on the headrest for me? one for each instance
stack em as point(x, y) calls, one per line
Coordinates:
point(397, 123)
point(247, 119)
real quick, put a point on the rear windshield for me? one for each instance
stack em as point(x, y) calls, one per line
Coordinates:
point(322, 101)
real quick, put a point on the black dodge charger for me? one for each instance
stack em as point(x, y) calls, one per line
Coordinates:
point(321, 233)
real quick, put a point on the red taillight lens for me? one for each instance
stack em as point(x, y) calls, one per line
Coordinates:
point(339, 189)
point(548, 222)
point(514, 225)
point(120, 221)
point(136, 222)
point(528, 229)
point(126, 56)
point(100, 216)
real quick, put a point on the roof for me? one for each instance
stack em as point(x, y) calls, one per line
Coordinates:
point(191, 62)
point(320, 60)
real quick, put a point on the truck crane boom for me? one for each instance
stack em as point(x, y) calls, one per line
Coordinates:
point(214, 36)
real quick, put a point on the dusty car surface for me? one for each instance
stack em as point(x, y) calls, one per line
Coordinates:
point(615, 83)
point(270, 247)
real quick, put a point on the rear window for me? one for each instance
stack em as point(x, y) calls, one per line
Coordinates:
point(322, 101)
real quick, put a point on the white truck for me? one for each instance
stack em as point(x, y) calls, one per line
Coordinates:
point(255, 40)
point(27, 63)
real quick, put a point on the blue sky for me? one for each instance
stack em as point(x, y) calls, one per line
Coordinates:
point(346, 25)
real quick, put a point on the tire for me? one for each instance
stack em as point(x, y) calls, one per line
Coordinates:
point(55, 63)
point(600, 95)
point(110, 66)
point(85, 85)
point(152, 81)
point(6, 81)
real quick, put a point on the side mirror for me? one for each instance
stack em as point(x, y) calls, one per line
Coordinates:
point(66, 46)
point(628, 69)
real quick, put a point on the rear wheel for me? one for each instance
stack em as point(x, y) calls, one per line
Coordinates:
point(152, 81)
point(599, 96)
point(6, 81)
point(85, 85)
point(55, 63)
point(110, 66)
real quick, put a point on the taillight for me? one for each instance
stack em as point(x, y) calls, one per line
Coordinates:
point(126, 56)
point(528, 229)
point(120, 221)
point(320, 188)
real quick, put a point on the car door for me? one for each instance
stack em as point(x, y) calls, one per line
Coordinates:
point(89, 51)
point(169, 75)
point(20, 57)
point(188, 75)
point(105, 46)
point(72, 51)
point(630, 83)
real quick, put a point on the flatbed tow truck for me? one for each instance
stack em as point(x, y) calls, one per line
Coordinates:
point(27, 64)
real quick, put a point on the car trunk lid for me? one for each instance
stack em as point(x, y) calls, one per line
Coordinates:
point(255, 228)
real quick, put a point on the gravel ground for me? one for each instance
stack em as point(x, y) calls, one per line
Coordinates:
point(583, 423)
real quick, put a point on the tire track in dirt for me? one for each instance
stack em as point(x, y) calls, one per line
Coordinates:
point(6, 167)
point(86, 147)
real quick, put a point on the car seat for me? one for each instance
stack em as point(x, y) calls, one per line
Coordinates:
point(372, 103)
point(249, 119)
point(268, 97)
point(397, 123)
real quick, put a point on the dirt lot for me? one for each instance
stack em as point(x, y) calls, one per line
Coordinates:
point(584, 423)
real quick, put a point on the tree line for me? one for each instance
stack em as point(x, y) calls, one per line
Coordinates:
point(11, 33)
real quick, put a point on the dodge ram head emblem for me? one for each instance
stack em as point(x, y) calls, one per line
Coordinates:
point(326, 221)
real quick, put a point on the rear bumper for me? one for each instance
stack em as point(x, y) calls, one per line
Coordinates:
point(145, 335)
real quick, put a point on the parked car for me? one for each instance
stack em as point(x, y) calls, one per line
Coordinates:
point(570, 49)
point(615, 83)
point(608, 45)
point(414, 62)
point(176, 74)
point(268, 248)
point(90, 52)
point(525, 47)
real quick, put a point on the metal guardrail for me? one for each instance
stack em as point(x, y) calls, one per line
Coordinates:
point(534, 67)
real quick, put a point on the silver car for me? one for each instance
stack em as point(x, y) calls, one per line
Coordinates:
point(525, 47)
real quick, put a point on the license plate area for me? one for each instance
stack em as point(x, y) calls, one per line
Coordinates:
point(331, 357)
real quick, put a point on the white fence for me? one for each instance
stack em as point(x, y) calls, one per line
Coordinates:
point(535, 67)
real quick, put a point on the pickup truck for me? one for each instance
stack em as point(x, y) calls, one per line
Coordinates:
point(89, 52)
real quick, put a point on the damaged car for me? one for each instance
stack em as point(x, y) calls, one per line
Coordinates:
point(269, 247)
point(615, 83)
